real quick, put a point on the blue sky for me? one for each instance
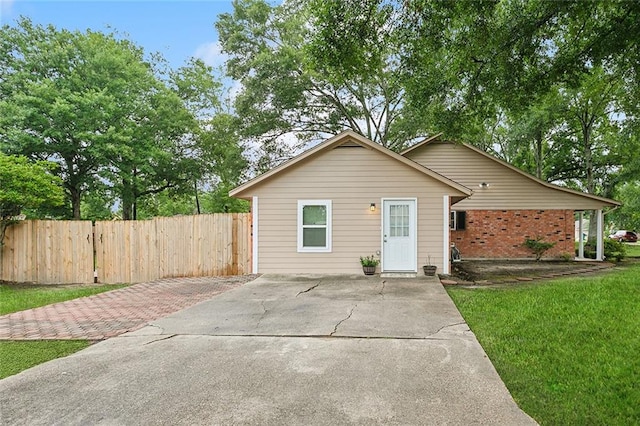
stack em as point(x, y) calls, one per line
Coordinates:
point(176, 29)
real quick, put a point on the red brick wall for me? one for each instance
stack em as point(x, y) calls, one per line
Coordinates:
point(500, 233)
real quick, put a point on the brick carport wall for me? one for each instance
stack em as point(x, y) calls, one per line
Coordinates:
point(501, 233)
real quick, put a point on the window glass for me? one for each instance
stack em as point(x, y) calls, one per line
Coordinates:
point(399, 221)
point(314, 237)
point(314, 215)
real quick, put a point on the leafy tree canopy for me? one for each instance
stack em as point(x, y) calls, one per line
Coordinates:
point(293, 80)
point(25, 186)
point(114, 121)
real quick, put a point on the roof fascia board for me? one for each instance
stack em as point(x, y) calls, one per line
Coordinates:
point(543, 182)
point(421, 143)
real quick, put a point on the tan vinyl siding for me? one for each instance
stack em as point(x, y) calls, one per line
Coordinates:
point(507, 189)
point(352, 178)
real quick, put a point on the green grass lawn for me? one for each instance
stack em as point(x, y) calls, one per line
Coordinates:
point(16, 356)
point(633, 250)
point(18, 298)
point(568, 350)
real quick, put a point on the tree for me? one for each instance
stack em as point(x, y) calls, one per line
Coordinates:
point(510, 53)
point(216, 139)
point(628, 215)
point(98, 204)
point(25, 186)
point(588, 155)
point(293, 81)
point(94, 105)
point(64, 96)
point(156, 154)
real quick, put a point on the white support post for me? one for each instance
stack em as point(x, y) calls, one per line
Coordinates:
point(254, 230)
point(600, 236)
point(446, 236)
point(580, 234)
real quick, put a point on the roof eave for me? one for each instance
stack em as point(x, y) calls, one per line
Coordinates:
point(543, 182)
point(603, 200)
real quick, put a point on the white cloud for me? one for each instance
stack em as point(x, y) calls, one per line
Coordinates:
point(211, 54)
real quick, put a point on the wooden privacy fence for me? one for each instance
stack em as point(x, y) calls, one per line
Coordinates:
point(185, 246)
point(50, 252)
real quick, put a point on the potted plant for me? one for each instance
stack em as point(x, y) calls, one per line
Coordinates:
point(429, 269)
point(369, 264)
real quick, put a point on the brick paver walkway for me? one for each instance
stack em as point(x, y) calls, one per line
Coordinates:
point(115, 312)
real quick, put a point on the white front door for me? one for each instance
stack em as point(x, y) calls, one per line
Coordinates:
point(399, 235)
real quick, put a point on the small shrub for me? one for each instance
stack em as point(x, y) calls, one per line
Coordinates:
point(566, 256)
point(537, 246)
point(614, 250)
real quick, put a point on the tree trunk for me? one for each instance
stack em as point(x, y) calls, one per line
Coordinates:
point(588, 154)
point(127, 200)
point(195, 188)
point(76, 195)
point(126, 211)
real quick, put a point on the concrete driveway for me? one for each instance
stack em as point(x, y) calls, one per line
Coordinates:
point(279, 350)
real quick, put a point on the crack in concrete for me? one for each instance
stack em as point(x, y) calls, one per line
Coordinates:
point(315, 336)
point(309, 289)
point(447, 326)
point(161, 339)
point(128, 334)
point(381, 292)
point(264, 313)
point(335, 329)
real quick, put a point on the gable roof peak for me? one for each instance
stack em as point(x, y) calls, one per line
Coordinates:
point(424, 142)
point(344, 137)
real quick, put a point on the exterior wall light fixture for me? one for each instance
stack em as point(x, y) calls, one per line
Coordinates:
point(372, 207)
point(484, 185)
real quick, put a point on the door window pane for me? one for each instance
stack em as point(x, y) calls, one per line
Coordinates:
point(399, 220)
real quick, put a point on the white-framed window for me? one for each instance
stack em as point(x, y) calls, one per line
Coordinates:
point(457, 220)
point(314, 226)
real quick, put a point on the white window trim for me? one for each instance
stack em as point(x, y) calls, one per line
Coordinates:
point(446, 234)
point(327, 204)
point(254, 245)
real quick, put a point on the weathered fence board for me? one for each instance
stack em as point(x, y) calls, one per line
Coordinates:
point(48, 252)
point(127, 251)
